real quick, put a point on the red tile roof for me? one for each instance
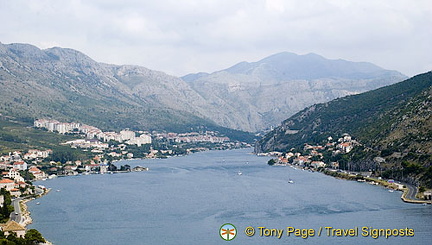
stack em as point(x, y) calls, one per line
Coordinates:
point(6, 181)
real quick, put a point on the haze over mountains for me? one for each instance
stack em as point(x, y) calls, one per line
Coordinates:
point(67, 85)
point(261, 94)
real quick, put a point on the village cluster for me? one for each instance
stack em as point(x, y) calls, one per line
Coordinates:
point(98, 141)
point(313, 154)
point(12, 167)
point(18, 168)
point(94, 136)
point(94, 140)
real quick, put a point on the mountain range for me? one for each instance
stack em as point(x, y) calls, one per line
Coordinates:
point(393, 123)
point(378, 118)
point(261, 94)
point(67, 85)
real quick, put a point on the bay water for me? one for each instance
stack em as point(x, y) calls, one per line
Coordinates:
point(186, 200)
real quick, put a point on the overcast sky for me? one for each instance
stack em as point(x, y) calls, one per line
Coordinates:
point(181, 37)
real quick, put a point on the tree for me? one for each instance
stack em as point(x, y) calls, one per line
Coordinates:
point(4, 241)
point(125, 168)
point(13, 239)
point(64, 155)
point(316, 158)
point(26, 175)
point(112, 167)
point(33, 236)
point(7, 208)
point(271, 162)
point(422, 189)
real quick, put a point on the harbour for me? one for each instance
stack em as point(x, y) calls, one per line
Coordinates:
point(187, 199)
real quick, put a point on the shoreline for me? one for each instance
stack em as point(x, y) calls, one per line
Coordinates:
point(26, 214)
point(375, 181)
point(264, 165)
point(369, 180)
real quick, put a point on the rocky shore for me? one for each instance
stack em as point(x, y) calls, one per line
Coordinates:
point(26, 214)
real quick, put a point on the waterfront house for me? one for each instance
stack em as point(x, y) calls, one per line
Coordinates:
point(13, 174)
point(12, 226)
point(427, 195)
point(334, 165)
point(283, 160)
point(37, 173)
point(20, 165)
point(91, 167)
point(318, 164)
point(15, 192)
point(103, 168)
point(20, 184)
point(7, 184)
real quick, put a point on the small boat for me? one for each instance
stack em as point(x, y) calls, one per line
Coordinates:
point(38, 203)
point(291, 181)
point(58, 190)
point(391, 190)
point(239, 173)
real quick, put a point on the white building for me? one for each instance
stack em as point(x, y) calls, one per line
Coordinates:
point(143, 139)
point(14, 175)
point(103, 168)
point(21, 165)
point(33, 154)
point(37, 173)
point(7, 184)
point(127, 135)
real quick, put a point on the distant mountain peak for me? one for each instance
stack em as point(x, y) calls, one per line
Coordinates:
point(62, 82)
point(194, 76)
point(261, 93)
point(281, 55)
point(286, 66)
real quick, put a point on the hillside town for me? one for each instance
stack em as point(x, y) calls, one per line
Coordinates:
point(16, 185)
point(331, 159)
point(20, 168)
point(314, 156)
point(118, 145)
point(103, 148)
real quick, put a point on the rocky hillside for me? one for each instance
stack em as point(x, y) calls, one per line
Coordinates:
point(389, 117)
point(393, 125)
point(254, 96)
point(67, 85)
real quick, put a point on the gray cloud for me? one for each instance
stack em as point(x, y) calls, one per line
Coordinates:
point(181, 37)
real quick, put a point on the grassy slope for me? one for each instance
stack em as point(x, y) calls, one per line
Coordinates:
point(20, 136)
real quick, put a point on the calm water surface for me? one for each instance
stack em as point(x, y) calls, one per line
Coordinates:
point(185, 200)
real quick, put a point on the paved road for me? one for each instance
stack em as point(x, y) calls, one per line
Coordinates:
point(16, 215)
point(412, 191)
